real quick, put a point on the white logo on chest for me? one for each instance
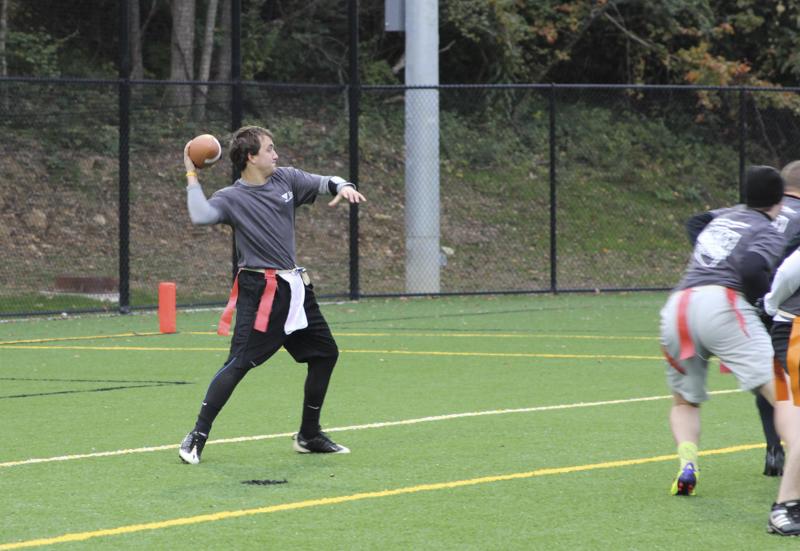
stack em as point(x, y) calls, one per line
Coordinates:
point(288, 196)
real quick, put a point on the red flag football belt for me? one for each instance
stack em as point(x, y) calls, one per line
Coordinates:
point(687, 349)
point(264, 305)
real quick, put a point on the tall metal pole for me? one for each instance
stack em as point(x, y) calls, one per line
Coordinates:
point(742, 140)
point(353, 102)
point(123, 159)
point(553, 196)
point(423, 256)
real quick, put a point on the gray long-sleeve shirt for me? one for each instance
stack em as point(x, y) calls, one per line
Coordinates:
point(262, 217)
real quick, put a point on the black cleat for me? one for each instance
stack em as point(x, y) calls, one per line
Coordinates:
point(773, 462)
point(192, 447)
point(784, 519)
point(319, 444)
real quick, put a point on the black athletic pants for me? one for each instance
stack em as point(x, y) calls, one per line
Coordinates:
point(250, 348)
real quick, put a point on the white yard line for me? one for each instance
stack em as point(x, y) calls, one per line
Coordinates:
point(447, 417)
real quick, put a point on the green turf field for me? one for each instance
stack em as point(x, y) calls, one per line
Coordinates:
point(517, 422)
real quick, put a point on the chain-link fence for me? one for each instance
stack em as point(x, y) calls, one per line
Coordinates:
point(311, 133)
point(554, 188)
point(542, 188)
point(534, 188)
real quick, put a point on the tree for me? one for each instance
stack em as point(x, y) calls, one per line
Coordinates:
point(223, 65)
point(135, 40)
point(137, 30)
point(222, 71)
point(606, 41)
point(205, 60)
point(182, 51)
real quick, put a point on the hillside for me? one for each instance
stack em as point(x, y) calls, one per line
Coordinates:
point(626, 183)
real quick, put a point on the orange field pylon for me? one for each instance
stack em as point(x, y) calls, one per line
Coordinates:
point(166, 307)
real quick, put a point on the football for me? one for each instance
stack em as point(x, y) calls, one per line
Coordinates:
point(204, 150)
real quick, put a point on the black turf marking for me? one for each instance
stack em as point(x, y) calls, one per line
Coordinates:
point(126, 385)
point(264, 482)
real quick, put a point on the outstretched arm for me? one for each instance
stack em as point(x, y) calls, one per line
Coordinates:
point(346, 190)
point(201, 212)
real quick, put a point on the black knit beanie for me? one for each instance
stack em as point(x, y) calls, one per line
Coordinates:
point(763, 186)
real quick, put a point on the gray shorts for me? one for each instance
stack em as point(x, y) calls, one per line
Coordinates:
point(718, 323)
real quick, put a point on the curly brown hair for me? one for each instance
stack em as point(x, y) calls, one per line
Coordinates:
point(246, 141)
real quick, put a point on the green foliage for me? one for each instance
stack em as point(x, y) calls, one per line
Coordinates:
point(712, 42)
point(375, 69)
point(506, 40)
point(294, 41)
point(77, 38)
point(32, 53)
point(258, 42)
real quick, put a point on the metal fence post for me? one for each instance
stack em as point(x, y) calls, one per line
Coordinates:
point(353, 102)
point(742, 138)
point(553, 210)
point(124, 88)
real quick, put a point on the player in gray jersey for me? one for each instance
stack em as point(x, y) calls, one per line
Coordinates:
point(711, 312)
point(788, 223)
point(273, 298)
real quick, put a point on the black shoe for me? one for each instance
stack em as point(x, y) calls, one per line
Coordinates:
point(773, 462)
point(784, 519)
point(319, 444)
point(192, 447)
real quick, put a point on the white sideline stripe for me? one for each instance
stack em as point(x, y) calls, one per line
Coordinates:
point(446, 417)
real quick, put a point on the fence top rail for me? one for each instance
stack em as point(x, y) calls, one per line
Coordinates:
point(342, 87)
point(553, 86)
point(153, 82)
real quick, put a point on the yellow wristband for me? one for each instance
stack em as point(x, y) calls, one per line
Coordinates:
point(191, 173)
